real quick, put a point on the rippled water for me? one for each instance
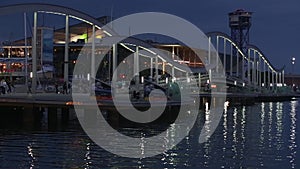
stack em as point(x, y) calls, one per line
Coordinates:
point(264, 135)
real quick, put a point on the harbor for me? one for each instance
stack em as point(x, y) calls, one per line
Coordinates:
point(83, 91)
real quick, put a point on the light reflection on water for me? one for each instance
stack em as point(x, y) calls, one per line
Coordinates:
point(259, 136)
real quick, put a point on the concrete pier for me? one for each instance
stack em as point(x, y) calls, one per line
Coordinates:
point(28, 110)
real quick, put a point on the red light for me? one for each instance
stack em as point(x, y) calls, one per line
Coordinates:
point(122, 76)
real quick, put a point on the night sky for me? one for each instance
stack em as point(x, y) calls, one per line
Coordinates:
point(275, 23)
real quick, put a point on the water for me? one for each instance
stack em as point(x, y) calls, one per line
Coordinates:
point(264, 135)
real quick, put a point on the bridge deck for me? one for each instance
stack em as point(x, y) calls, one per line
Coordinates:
point(61, 100)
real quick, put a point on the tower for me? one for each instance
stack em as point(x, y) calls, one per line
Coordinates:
point(240, 23)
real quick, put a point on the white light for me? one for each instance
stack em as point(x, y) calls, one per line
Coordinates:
point(31, 74)
point(142, 79)
point(173, 79)
point(206, 106)
point(49, 12)
point(167, 80)
point(188, 80)
point(235, 82)
point(244, 84)
point(262, 84)
point(207, 81)
point(83, 20)
point(88, 77)
point(226, 104)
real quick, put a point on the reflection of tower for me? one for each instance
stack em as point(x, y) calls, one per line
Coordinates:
point(240, 23)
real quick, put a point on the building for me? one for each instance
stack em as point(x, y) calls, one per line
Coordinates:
point(51, 52)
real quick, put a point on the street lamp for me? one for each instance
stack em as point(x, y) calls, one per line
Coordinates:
point(293, 63)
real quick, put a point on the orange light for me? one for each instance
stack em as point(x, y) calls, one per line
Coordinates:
point(70, 103)
point(213, 86)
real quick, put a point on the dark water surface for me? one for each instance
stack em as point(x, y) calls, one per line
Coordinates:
point(264, 135)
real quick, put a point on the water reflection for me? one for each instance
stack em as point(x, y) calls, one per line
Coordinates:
point(279, 128)
point(87, 158)
point(206, 147)
point(262, 132)
point(30, 153)
point(243, 127)
point(270, 124)
point(292, 140)
point(260, 136)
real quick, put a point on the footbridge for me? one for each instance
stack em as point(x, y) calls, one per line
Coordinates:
point(249, 70)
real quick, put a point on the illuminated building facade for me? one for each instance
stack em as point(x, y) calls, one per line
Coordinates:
point(51, 51)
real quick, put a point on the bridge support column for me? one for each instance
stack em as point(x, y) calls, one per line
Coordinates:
point(249, 67)
point(253, 75)
point(254, 69)
point(163, 67)
point(276, 80)
point(187, 76)
point(231, 60)
point(217, 59)
point(34, 56)
point(199, 81)
point(173, 71)
point(224, 56)
point(93, 70)
point(269, 79)
point(209, 58)
point(25, 49)
point(273, 86)
point(115, 59)
point(238, 64)
point(136, 62)
point(156, 69)
point(265, 81)
point(279, 78)
point(283, 77)
point(173, 52)
point(66, 59)
point(259, 73)
point(151, 68)
point(243, 69)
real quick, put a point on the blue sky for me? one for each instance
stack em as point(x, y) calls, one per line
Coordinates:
point(275, 23)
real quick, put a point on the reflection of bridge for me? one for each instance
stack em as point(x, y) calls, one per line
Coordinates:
point(250, 70)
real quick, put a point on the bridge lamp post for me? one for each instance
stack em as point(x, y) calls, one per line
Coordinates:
point(293, 63)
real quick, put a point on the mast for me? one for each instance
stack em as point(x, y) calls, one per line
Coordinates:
point(26, 51)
